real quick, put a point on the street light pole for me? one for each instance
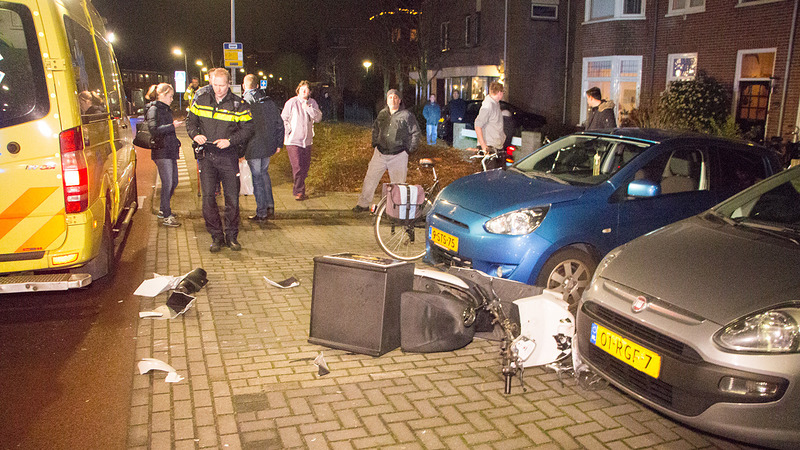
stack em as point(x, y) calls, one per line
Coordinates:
point(233, 37)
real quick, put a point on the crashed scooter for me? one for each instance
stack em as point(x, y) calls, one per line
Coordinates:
point(446, 310)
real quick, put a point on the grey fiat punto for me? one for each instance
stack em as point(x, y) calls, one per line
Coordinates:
point(701, 319)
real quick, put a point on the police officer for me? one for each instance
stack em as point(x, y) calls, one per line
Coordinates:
point(220, 122)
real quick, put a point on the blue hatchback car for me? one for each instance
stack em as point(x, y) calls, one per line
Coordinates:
point(549, 218)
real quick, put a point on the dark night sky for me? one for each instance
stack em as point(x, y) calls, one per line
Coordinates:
point(147, 30)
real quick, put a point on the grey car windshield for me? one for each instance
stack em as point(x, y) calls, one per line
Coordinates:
point(776, 201)
point(582, 159)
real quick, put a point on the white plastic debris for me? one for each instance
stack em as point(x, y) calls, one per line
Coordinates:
point(148, 364)
point(322, 366)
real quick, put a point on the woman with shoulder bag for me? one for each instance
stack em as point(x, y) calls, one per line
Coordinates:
point(166, 148)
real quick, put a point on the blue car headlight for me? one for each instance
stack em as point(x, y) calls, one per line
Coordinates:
point(773, 331)
point(516, 223)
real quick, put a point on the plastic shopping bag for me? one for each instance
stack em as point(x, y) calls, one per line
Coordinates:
point(245, 178)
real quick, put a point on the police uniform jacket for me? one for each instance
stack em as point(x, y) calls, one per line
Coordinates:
point(229, 119)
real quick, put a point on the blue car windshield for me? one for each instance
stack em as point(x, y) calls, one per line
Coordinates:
point(582, 159)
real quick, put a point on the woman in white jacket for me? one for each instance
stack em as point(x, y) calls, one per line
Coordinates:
point(299, 114)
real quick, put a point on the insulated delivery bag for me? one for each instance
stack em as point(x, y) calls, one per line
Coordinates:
point(404, 201)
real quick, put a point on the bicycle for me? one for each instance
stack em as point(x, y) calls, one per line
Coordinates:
point(404, 239)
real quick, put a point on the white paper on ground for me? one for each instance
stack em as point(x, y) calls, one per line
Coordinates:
point(285, 284)
point(157, 285)
point(162, 312)
point(148, 364)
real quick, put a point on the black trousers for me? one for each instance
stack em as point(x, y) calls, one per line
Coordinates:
point(220, 167)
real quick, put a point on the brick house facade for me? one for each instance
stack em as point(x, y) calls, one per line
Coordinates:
point(555, 49)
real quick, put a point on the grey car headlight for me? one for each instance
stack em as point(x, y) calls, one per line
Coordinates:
point(516, 223)
point(773, 331)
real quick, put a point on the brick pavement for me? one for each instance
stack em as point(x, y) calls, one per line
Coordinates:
point(250, 382)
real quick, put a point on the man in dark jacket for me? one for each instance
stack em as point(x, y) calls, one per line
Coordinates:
point(266, 141)
point(395, 134)
point(601, 112)
point(220, 122)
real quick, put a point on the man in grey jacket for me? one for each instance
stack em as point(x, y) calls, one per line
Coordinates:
point(395, 134)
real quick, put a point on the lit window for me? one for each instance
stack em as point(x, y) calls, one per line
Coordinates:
point(686, 7)
point(619, 79)
point(681, 66)
point(614, 9)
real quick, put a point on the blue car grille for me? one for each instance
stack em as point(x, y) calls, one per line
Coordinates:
point(442, 256)
point(449, 220)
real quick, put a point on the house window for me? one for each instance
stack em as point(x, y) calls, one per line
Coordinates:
point(755, 2)
point(681, 66)
point(619, 79)
point(468, 31)
point(412, 35)
point(396, 34)
point(444, 36)
point(544, 11)
point(680, 7)
point(476, 31)
point(752, 90)
point(614, 9)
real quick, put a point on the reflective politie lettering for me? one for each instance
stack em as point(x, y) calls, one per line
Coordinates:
point(625, 350)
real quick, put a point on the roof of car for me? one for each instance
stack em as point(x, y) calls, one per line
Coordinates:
point(658, 136)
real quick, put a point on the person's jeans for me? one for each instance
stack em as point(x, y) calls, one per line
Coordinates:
point(300, 159)
point(218, 168)
point(168, 173)
point(432, 133)
point(262, 185)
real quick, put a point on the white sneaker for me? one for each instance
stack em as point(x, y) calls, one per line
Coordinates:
point(160, 215)
point(171, 221)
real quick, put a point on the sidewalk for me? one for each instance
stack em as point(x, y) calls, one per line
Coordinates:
point(186, 202)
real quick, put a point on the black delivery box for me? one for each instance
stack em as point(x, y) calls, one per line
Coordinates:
point(355, 302)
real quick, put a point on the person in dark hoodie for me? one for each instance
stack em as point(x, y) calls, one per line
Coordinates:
point(166, 148)
point(266, 141)
point(601, 112)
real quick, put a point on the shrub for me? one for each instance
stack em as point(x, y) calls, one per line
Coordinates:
point(702, 104)
point(342, 152)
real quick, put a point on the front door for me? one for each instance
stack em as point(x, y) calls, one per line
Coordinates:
point(751, 112)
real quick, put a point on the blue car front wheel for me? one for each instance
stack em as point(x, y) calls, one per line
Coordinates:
point(569, 271)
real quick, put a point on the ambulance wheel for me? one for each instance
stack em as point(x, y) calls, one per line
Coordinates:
point(105, 262)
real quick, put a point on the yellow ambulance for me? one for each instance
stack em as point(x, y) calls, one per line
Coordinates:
point(67, 162)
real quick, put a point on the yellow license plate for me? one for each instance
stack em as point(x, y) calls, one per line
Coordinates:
point(443, 239)
point(627, 351)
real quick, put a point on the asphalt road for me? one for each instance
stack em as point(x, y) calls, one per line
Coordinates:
point(66, 357)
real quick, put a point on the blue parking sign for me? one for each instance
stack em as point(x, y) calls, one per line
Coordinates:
point(263, 84)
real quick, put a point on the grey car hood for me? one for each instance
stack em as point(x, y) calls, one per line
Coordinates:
point(718, 271)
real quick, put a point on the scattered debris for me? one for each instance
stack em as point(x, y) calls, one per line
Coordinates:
point(319, 361)
point(148, 364)
point(285, 284)
point(180, 300)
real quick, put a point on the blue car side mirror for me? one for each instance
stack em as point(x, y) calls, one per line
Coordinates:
point(643, 188)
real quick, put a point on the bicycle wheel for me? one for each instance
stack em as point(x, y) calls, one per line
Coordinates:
point(401, 239)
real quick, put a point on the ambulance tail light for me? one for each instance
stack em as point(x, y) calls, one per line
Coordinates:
point(73, 171)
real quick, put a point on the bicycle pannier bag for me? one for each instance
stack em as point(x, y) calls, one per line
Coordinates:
point(404, 201)
point(143, 137)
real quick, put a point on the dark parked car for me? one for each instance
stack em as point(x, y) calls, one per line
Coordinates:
point(549, 218)
point(701, 319)
point(514, 121)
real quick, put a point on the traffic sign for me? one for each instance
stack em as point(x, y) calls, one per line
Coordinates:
point(232, 52)
point(180, 81)
point(263, 84)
